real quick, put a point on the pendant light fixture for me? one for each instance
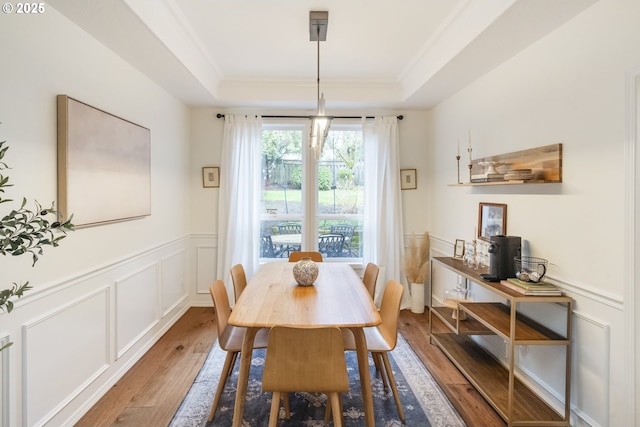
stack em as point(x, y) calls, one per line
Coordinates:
point(320, 123)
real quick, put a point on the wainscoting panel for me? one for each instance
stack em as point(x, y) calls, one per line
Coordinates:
point(137, 302)
point(592, 346)
point(206, 266)
point(173, 276)
point(63, 351)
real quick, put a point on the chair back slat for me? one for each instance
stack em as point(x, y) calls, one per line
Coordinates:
point(220, 298)
point(390, 312)
point(297, 256)
point(239, 279)
point(370, 278)
point(305, 359)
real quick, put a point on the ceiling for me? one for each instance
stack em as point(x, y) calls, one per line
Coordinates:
point(379, 54)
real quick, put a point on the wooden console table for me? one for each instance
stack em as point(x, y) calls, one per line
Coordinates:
point(498, 384)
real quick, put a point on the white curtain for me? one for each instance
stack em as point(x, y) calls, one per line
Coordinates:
point(238, 208)
point(383, 230)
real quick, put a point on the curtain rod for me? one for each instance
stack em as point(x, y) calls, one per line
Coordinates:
point(400, 117)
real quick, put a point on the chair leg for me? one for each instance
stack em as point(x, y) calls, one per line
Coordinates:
point(394, 388)
point(233, 363)
point(287, 408)
point(275, 409)
point(336, 408)
point(327, 412)
point(377, 361)
point(229, 361)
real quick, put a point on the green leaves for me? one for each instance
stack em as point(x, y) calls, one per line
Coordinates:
point(15, 291)
point(25, 231)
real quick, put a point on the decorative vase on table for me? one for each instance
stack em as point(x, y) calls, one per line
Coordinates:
point(305, 272)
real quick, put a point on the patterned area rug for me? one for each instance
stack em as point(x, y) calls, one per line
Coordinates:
point(423, 401)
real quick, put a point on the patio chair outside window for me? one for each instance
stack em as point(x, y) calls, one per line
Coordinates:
point(331, 245)
point(290, 228)
point(347, 231)
point(268, 249)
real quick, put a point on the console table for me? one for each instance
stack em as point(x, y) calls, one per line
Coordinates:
point(511, 398)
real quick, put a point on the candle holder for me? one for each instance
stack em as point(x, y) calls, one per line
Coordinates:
point(470, 164)
point(458, 160)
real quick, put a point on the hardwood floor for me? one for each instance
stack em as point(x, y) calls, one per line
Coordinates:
point(150, 393)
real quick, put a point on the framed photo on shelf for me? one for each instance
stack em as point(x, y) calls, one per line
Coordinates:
point(492, 220)
point(458, 249)
point(210, 176)
point(408, 179)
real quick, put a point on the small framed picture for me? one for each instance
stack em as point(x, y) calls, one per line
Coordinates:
point(492, 220)
point(408, 179)
point(458, 249)
point(210, 176)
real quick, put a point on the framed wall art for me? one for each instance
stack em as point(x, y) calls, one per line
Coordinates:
point(210, 176)
point(104, 165)
point(408, 179)
point(492, 220)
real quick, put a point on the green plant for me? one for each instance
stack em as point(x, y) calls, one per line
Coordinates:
point(23, 231)
point(324, 178)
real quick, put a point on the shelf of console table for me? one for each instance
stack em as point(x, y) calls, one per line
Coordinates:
point(491, 379)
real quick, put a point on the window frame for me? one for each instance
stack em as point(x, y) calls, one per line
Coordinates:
point(310, 216)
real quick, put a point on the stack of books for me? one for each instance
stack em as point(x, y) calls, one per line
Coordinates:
point(487, 177)
point(519, 175)
point(530, 288)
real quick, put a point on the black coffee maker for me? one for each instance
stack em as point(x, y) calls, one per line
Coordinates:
point(502, 251)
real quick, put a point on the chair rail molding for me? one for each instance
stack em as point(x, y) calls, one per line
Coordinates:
point(632, 241)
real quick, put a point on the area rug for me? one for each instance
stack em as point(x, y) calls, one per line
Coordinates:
point(423, 401)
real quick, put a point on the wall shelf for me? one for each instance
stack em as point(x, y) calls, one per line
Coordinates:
point(545, 164)
point(497, 383)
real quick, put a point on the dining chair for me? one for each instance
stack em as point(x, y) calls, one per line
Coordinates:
point(370, 277)
point(305, 359)
point(331, 245)
point(268, 249)
point(239, 279)
point(347, 230)
point(297, 256)
point(229, 338)
point(383, 338)
point(290, 228)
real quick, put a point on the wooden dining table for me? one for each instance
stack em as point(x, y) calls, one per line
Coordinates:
point(273, 298)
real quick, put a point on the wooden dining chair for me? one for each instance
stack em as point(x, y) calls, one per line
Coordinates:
point(382, 339)
point(305, 359)
point(370, 277)
point(297, 256)
point(229, 338)
point(239, 279)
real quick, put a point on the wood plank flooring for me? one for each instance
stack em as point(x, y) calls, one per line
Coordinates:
point(151, 391)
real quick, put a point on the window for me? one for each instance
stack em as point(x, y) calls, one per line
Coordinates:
point(309, 205)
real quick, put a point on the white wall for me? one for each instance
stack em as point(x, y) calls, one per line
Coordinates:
point(108, 292)
point(568, 88)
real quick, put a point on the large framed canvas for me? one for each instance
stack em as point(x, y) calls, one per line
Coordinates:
point(104, 165)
